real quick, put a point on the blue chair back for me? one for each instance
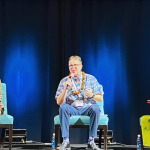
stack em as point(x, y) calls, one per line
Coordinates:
point(101, 106)
point(4, 97)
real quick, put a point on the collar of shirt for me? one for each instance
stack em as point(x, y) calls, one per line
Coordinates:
point(78, 78)
point(75, 79)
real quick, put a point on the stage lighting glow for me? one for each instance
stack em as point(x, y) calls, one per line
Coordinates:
point(108, 65)
point(21, 78)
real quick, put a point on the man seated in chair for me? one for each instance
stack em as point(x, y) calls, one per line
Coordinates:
point(77, 95)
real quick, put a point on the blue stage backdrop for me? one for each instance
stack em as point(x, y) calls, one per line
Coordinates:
point(112, 38)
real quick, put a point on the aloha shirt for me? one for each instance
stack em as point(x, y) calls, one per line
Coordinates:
point(90, 82)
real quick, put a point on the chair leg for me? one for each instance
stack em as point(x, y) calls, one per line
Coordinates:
point(2, 137)
point(56, 135)
point(105, 136)
point(100, 137)
point(61, 139)
point(10, 136)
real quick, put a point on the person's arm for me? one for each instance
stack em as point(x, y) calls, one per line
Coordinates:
point(62, 96)
point(96, 97)
point(96, 90)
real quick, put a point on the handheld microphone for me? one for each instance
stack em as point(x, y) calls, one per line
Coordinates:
point(72, 75)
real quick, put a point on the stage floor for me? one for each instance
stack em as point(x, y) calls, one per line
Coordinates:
point(47, 146)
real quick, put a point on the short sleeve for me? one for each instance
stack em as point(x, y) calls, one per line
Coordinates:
point(61, 87)
point(97, 88)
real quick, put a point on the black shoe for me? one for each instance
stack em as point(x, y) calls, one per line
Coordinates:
point(93, 146)
point(65, 146)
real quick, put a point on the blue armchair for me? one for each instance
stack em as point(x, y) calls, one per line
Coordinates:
point(6, 121)
point(83, 122)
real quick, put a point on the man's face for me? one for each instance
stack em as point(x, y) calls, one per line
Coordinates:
point(75, 67)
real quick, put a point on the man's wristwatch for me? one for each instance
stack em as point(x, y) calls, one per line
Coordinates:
point(92, 96)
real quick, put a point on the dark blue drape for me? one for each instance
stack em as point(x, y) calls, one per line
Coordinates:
point(112, 38)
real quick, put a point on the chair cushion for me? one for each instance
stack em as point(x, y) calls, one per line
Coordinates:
point(82, 120)
point(6, 119)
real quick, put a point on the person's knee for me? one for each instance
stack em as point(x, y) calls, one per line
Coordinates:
point(95, 109)
point(62, 108)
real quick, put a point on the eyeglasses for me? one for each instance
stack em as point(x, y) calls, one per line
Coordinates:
point(75, 65)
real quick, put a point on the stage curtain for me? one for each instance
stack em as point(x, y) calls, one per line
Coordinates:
point(112, 37)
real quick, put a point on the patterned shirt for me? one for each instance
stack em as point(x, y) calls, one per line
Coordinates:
point(90, 82)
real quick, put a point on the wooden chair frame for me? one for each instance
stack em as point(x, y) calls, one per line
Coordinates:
point(4, 127)
point(101, 127)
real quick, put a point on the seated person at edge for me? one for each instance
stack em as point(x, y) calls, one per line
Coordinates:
point(77, 94)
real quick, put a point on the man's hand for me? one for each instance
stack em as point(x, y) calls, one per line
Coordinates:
point(68, 83)
point(61, 98)
point(88, 92)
